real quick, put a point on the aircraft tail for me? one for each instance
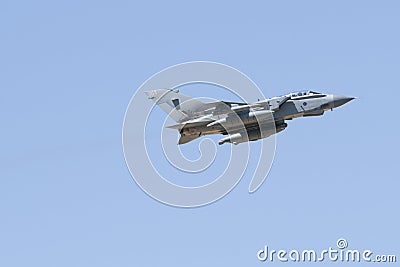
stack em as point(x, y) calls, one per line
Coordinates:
point(178, 106)
point(187, 138)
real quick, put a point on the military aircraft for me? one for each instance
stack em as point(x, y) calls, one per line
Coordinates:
point(241, 122)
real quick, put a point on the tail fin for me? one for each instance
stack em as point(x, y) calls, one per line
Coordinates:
point(178, 106)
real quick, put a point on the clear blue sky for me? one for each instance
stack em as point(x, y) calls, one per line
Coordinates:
point(68, 70)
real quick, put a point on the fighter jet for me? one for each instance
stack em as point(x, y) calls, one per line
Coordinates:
point(241, 122)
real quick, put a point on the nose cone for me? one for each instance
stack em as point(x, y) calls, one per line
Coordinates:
point(339, 100)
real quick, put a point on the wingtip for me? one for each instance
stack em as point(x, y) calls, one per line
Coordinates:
point(149, 94)
point(175, 126)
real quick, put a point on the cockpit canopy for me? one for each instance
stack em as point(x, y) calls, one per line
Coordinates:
point(303, 93)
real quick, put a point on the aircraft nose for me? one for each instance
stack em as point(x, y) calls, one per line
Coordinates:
point(339, 100)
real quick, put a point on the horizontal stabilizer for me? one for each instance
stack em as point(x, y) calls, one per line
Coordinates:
point(193, 123)
point(187, 138)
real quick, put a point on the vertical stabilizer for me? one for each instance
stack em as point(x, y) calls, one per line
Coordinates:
point(178, 106)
